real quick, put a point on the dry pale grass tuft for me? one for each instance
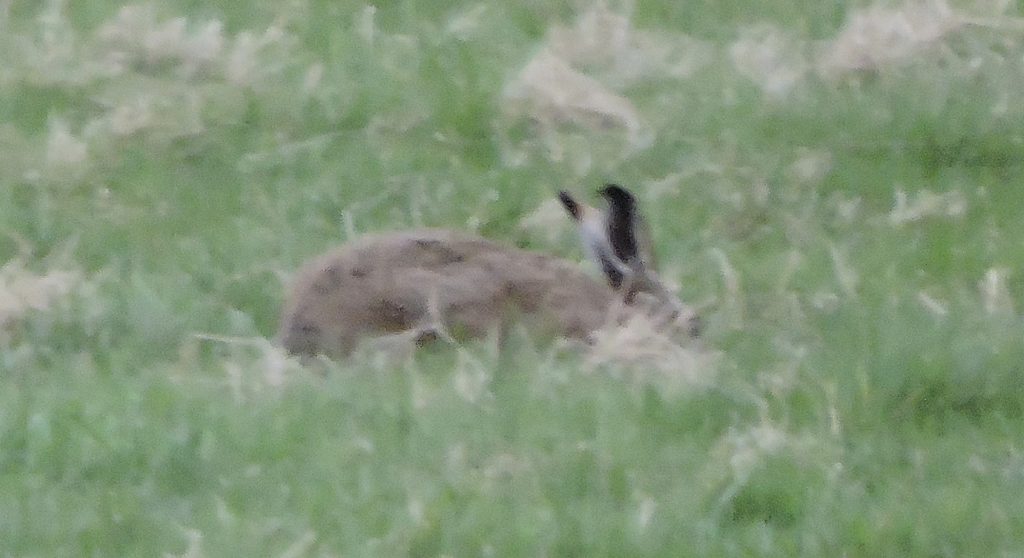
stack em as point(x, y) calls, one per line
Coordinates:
point(551, 92)
point(66, 155)
point(745, 449)
point(879, 35)
point(933, 305)
point(872, 38)
point(811, 166)
point(924, 204)
point(770, 58)
point(137, 35)
point(995, 292)
point(247, 63)
point(883, 35)
point(194, 548)
point(742, 452)
point(575, 74)
point(733, 305)
point(609, 47)
point(23, 292)
point(846, 273)
point(254, 364)
point(149, 77)
point(472, 378)
point(644, 350)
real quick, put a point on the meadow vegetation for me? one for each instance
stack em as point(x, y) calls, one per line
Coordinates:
point(834, 183)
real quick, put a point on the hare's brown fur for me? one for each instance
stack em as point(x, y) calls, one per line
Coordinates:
point(421, 279)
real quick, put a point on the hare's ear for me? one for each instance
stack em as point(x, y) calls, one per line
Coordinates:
point(628, 232)
point(571, 205)
point(621, 222)
point(594, 236)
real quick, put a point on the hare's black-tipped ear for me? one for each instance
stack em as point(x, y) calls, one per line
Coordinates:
point(618, 196)
point(622, 223)
point(570, 204)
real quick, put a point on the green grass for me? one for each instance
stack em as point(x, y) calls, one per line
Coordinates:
point(865, 398)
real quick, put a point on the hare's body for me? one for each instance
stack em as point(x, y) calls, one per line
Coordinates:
point(422, 279)
point(436, 282)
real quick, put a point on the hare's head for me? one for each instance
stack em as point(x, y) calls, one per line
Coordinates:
point(618, 240)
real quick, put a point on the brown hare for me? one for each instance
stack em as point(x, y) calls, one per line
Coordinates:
point(435, 283)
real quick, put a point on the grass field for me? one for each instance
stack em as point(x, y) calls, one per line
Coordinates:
point(836, 183)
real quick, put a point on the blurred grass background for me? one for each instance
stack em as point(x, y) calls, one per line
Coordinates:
point(835, 181)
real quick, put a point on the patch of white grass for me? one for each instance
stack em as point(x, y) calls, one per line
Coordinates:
point(924, 204)
point(886, 35)
point(643, 350)
point(247, 63)
point(301, 546)
point(23, 292)
point(50, 55)
point(466, 24)
point(873, 38)
point(646, 506)
point(881, 35)
point(995, 292)
point(743, 451)
point(254, 364)
point(846, 274)
point(67, 156)
point(506, 465)
point(472, 378)
point(609, 46)
point(147, 76)
point(552, 92)
point(811, 166)
point(132, 116)
point(137, 35)
point(579, 71)
point(733, 297)
point(771, 58)
point(746, 449)
point(933, 305)
point(194, 549)
point(366, 24)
